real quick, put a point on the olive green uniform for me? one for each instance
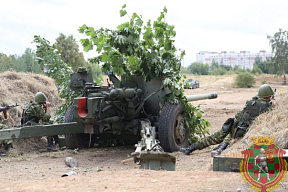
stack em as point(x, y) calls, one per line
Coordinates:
point(238, 126)
point(5, 143)
point(35, 114)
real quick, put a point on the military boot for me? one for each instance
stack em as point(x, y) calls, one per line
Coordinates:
point(219, 149)
point(51, 147)
point(188, 150)
point(56, 140)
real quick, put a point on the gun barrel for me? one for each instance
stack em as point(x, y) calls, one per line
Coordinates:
point(201, 96)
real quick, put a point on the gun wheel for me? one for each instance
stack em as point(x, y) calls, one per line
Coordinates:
point(173, 135)
point(77, 140)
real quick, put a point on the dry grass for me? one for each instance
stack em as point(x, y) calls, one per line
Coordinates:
point(20, 88)
point(272, 124)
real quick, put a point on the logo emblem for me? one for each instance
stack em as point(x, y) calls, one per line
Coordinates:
point(263, 167)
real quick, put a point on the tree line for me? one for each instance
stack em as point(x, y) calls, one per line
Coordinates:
point(70, 54)
point(278, 64)
point(68, 50)
point(215, 68)
point(24, 63)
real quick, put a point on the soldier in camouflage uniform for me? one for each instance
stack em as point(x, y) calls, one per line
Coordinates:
point(236, 127)
point(7, 144)
point(35, 114)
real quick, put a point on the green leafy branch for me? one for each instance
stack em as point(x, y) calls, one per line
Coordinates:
point(49, 58)
point(148, 51)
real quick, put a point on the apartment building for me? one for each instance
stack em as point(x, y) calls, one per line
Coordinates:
point(245, 59)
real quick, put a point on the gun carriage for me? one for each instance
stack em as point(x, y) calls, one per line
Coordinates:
point(126, 108)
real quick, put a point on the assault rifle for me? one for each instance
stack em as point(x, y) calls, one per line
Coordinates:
point(8, 107)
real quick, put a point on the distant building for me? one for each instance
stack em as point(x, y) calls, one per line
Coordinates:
point(245, 59)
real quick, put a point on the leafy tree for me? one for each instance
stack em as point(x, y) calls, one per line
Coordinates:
point(236, 67)
point(26, 62)
point(279, 44)
point(218, 71)
point(18, 64)
point(205, 69)
point(257, 60)
point(214, 65)
point(184, 70)
point(147, 51)
point(28, 59)
point(239, 69)
point(256, 70)
point(226, 67)
point(49, 58)
point(262, 65)
point(5, 63)
point(69, 50)
point(95, 70)
point(199, 68)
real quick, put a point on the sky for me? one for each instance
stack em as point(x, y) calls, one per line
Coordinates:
point(206, 25)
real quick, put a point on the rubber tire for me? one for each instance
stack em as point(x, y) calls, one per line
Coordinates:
point(168, 122)
point(77, 140)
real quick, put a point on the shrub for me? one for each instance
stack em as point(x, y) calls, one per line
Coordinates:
point(245, 80)
point(219, 71)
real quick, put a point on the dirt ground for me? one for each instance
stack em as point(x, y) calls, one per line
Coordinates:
point(100, 169)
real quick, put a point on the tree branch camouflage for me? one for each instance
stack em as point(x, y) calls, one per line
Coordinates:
point(148, 51)
point(49, 57)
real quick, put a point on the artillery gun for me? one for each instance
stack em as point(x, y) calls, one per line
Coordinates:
point(119, 110)
point(122, 109)
point(126, 109)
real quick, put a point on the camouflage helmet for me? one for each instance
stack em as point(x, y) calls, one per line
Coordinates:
point(40, 97)
point(265, 91)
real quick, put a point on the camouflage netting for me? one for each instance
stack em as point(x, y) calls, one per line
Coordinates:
point(20, 88)
point(271, 124)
